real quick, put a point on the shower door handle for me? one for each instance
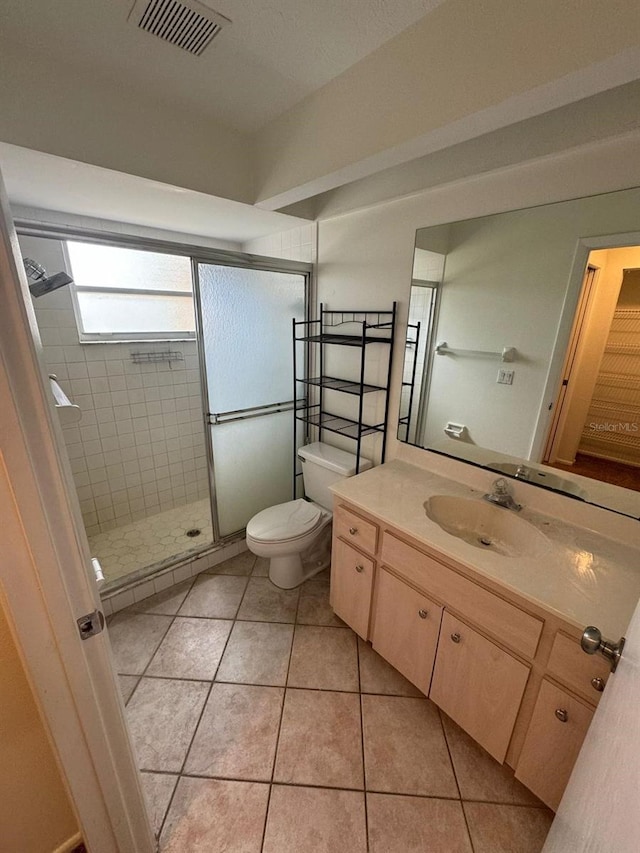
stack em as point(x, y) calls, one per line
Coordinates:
point(218, 418)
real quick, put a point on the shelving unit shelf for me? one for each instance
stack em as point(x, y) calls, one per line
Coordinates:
point(366, 328)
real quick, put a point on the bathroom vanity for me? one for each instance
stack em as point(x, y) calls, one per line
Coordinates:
point(491, 638)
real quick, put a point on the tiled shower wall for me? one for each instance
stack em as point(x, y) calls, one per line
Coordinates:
point(139, 448)
point(296, 244)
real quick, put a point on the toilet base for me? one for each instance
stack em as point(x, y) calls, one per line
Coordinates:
point(291, 570)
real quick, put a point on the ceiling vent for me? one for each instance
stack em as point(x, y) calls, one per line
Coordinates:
point(185, 23)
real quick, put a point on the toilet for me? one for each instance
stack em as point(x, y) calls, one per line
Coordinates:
point(296, 536)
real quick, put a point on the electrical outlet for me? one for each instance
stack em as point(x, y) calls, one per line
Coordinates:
point(505, 377)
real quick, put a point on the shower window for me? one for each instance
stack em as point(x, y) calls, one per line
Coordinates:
point(127, 294)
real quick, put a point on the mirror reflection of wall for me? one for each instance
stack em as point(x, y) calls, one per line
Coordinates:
point(568, 398)
point(428, 271)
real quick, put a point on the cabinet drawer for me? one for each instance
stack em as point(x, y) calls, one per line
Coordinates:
point(569, 663)
point(405, 631)
point(512, 626)
point(351, 586)
point(355, 530)
point(552, 745)
point(478, 685)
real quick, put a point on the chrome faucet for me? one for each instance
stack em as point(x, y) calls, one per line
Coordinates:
point(501, 495)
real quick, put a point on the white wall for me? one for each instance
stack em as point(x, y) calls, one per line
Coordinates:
point(139, 448)
point(366, 257)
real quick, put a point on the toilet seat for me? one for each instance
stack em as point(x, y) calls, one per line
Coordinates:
point(286, 522)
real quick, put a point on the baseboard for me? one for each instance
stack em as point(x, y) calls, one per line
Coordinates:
point(71, 845)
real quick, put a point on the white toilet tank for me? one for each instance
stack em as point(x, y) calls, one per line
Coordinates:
point(324, 465)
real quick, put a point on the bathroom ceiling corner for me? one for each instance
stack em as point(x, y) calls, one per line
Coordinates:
point(37, 180)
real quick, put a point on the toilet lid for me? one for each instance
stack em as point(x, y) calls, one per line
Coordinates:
point(285, 521)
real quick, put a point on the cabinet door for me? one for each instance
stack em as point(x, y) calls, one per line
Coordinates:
point(405, 629)
point(351, 586)
point(554, 738)
point(478, 685)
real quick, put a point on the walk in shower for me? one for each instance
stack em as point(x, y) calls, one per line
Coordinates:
point(179, 361)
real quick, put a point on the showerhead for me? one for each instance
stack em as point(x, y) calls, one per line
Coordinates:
point(42, 283)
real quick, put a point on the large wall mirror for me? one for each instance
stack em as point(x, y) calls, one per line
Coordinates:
point(523, 346)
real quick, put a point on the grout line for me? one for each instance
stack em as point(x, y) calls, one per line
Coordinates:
point(364, 768)
point(455, 775)
point(466, 823)
point(449, 753)
point(173, 619)
point(277, 745)
point(200, 716)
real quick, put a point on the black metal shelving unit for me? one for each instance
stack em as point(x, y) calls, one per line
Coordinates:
point(412, 343)
point(373, 328)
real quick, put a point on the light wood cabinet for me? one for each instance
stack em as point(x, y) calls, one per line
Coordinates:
point(478, 685)
point(511, 625)
point(355, 530)
point(554, 738)
point(586, 674)
point(511, 666)
point(351, 586)
point(406, 625)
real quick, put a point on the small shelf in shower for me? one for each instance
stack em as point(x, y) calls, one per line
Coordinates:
point(156, 356)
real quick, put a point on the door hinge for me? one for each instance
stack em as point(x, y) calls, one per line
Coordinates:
point(90, 624)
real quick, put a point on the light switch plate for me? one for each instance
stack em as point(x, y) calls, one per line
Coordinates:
point(505, 377)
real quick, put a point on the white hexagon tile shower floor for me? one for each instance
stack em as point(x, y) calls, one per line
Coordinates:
point(151, 540)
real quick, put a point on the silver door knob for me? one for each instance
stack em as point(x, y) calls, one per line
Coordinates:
point(562, 715)
point(353, 530)
point(422, 614)
point(455, 637)
point(593, 642)
point(598, 684)
point(359, 569)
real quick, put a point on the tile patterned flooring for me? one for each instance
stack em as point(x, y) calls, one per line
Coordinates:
point(262, 723)
point(152, 540)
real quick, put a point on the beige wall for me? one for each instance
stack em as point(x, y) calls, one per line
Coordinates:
point(460, 59)
point(35, 812)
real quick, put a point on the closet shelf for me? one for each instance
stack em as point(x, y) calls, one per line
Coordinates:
point(345, 386)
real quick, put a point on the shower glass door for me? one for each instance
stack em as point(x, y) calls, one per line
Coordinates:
point(246, 330)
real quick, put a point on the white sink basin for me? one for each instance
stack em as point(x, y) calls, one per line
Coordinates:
point(486, 526)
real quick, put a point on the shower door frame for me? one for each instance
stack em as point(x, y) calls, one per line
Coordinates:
point(197, 255)
point(250, 262)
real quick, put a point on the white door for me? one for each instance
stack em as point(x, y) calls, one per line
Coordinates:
point(46, 585)
point(600, 810)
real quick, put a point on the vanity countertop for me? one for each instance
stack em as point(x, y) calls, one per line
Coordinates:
point(585, 578)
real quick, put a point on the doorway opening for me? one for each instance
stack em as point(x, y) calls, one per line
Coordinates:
point(595, 431)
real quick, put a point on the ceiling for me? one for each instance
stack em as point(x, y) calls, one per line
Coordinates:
point(275, 53)
point(34, 179)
